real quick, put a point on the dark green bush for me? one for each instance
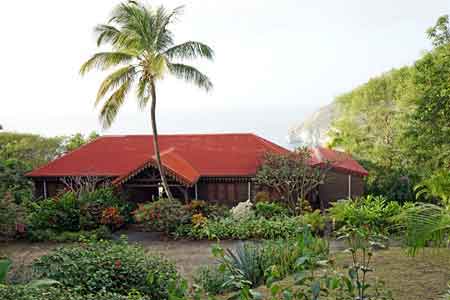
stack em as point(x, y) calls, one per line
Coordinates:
point(11, 217)
point(374, 211)
point(100, 233)
point(269, 210)
point(113, 266)
point(25, 292)
point(315, 220)
point(59, 214)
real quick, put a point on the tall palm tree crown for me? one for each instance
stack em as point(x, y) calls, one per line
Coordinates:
point(142, 52)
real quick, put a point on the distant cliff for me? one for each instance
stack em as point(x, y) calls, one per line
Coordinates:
point(313, 130)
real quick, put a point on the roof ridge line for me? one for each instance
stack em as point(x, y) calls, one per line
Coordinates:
point(181, 134)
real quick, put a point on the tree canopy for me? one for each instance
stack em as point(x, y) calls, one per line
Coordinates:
point(398, 124)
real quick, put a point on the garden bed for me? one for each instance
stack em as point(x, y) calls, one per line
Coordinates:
point(422, 277)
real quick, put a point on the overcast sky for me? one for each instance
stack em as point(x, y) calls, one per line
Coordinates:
point(276, 62)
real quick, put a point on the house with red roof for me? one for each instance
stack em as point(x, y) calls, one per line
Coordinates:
point(212, 167)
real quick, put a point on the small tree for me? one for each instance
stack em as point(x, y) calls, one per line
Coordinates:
point(292, 176)
point(84, 184)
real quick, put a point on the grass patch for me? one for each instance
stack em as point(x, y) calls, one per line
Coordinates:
point(409, 278)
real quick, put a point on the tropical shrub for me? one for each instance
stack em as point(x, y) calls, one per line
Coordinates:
point(58, 292)
point(373, 211)
point(112, 218)
point(113, 266)
point(199, 219)
point(424, 225)
point(257, 263)
point(436, 186)
point(103, 201)
point(270, 210)
point(209, 210)
point(315, 220)
point(212, 280)
point(72, 213)
point(59, 214)
point(13, 180)
point(11, 217)
point(163, 215)
point(249, 228)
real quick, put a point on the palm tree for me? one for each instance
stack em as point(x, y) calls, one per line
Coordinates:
point(144, 51)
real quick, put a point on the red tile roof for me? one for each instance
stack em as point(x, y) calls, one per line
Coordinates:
point(340, 161)
point(187, 157)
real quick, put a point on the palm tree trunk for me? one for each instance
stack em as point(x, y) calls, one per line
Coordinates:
point(155, 141)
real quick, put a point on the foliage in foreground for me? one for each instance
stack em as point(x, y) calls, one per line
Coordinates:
point(374, 211)
point(58, 292)
point(250, 228)
point(116, 267)
point(315, 275)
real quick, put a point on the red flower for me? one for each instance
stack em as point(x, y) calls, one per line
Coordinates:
point(117, 264)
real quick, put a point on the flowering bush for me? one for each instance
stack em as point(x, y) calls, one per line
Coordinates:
point(243, 210)
point(163, 215)
point(209, 210)
point(112, 218)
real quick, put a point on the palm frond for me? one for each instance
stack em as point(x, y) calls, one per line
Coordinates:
point(43, 283)
point(190, 50)
point(107, 34)
point(142, 93)
point(190, 74)
point(163, 17)
point(106, 60)
point(114, 80)
point(425, 224)
point(112, 106)
point(142, 47)
point(136, 20)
